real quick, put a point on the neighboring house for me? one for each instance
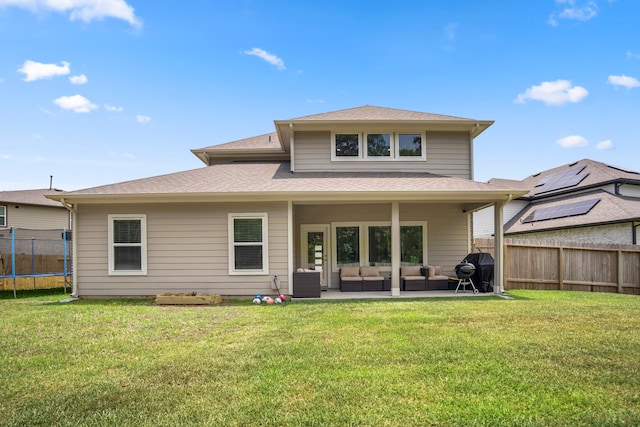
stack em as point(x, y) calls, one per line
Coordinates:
point(585, 201)
point(362, 186)
point(31, 209)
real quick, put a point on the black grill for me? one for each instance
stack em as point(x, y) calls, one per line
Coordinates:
point(465, 270)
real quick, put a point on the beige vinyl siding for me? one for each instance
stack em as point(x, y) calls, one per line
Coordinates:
point(448, 153)
point(187, 250)
point(483, 220)
point(630, 190)
point(43, 217)
point(447, 227)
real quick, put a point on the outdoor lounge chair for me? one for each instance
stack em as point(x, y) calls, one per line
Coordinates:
point(371, 279)
point(413, 278)
point(350, 280)
point(435, 279)
point(306, 284)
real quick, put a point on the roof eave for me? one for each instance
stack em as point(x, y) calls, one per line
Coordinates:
point(296, 196)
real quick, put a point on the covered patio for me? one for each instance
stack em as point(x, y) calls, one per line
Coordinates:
point(335, 294)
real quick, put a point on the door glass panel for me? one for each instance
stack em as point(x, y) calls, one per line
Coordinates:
point(315, 248)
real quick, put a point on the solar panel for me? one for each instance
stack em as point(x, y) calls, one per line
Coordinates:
point(559, 180)
point(561, 211)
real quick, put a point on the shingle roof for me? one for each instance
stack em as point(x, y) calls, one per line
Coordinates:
point(369, 112)
point(270, 178)
point(594, 173)
point(260, 142)
point(30, 197)
point(609, 209)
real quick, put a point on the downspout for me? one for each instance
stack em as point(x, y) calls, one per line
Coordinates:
point(74, 249)
point(498, 245)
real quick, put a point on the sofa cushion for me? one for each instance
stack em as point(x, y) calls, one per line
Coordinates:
point(434, 270)
point(352, 272)
point(370, 272)
point(413, 270)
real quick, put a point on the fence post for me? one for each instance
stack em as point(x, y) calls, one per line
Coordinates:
point(13, 261)
point(620, 273)
point(561, 268)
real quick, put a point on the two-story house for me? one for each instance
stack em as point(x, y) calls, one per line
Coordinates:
point(362, 186)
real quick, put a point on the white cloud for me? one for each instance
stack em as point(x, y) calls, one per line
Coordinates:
point(631, 55)
point(5, 156)
point(83, 10)
point(143, 120)
point(626, 81)
point(573, 10)
point(37, 70)
point(75, 103)
point(113, 109)
point(1, 80)
point(572, 141)
point(78, 80)
point(553, 93)
point(604, 145)
point(270, 58)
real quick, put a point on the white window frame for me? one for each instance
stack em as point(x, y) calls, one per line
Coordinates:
point(3, 215)
point(143, 244)
point(264, 216)
point(394, 146)
point(363, 230)
point(346, 158)
point(423, 154)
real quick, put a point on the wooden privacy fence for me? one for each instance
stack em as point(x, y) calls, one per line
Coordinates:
point(42, 271)
point(532, 264)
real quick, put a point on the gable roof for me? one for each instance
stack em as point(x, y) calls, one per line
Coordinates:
point(576, 176)
point(274, 181)
point(30, 197)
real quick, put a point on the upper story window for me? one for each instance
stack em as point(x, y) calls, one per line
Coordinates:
point(346, 145)
point(388, 146)
point(3, 216)
point(410, 144)
point(378, 145)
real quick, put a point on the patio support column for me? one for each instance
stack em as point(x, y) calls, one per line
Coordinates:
point(498, 247)
point(290, 246)
point(395, 249)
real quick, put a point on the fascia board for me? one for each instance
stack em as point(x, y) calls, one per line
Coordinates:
point(329, 196)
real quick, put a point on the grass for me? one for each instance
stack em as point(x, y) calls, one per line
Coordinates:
point(540, 359)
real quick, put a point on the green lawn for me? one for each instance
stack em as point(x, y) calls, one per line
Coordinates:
point(542, 358)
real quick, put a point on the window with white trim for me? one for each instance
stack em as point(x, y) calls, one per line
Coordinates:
point(248, 246)
point(3, 216)
point(369, 243)
point(127, 244)
point(381, 146)
point(346, 145)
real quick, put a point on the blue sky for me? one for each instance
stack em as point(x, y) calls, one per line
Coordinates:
point(112, 90)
